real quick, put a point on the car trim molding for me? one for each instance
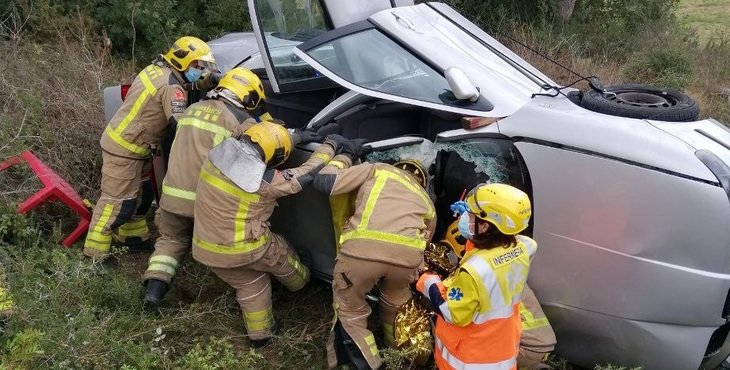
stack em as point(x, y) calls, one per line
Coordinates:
point(611, 157)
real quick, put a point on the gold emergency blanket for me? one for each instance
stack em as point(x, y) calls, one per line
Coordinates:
point(412, 327)
point(413, 331)
point(440, 259)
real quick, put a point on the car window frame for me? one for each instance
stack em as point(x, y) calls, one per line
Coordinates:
point(302, 50)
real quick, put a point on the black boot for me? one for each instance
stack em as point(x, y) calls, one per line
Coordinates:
point(136, 245)
point(259, 343)
point(154, 293)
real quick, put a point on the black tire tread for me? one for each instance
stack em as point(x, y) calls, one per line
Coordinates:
point(686, 110)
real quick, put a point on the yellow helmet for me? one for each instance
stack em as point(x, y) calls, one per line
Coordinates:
point(188, 49)
point(245, 85)
point(505, 206)
point(415, 168)
point(454, 239)
point(274, 141)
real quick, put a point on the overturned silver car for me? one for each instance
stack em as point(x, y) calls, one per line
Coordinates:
point(632, 215)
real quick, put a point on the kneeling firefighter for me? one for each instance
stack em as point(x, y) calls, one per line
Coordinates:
point(478, 321)
point(203, 125)
point(236, 194)
point(156, 98)
point(382, 245)
point(538, 338)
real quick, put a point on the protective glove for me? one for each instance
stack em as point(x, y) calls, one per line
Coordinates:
point(355, 148)
point(304, 137)
point(459, 207)
point(336, 141)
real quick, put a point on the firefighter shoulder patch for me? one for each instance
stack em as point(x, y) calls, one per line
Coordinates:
point(179, 102)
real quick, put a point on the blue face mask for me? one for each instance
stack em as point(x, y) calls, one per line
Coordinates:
point(193, 74)
point(464, 226)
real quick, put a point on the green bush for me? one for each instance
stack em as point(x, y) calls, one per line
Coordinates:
point(617, 28)
point(669, 67)
point(138, 30)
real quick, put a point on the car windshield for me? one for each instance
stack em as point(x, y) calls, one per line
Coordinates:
point(373, 61)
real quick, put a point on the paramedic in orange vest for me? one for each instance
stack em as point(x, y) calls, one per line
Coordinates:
point(382, 247)
point(478, 322)
point(227, 113)
point(157, 96)
point(538, 338)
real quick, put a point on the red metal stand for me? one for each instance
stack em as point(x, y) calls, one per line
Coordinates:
point(55, 188)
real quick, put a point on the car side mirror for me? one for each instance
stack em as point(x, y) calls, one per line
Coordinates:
point(460, 84)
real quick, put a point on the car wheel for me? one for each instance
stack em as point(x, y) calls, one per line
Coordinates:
point(641, 101)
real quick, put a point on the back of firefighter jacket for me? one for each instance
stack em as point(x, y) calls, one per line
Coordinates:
point(393, 213)
point(232, 225)
point(202, 126)
point(155, 98)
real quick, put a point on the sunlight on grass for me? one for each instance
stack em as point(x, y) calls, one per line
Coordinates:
point(709, 17)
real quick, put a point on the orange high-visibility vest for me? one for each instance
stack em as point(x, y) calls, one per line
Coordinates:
point(479, 326)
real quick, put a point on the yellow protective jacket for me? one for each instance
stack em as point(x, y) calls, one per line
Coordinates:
point(393, 212)
point(479, 307)
point(155, 97)
point(232, 225)
point(202, 126)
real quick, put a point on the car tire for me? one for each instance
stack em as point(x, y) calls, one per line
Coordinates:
point(641, 101)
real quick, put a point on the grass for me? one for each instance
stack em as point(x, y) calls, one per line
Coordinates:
point(711, 18)
point(69, 316)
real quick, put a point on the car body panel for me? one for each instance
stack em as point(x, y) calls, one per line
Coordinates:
point(344, 12)
point(706, 134)
point(558, 120)
point(632, 344)
point(605, 248)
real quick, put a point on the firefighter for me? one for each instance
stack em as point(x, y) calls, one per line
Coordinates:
point(158, 95)
point(478, 305)
point(538, 338)
point(236, 194)
point(382, 245)
point(203, 125)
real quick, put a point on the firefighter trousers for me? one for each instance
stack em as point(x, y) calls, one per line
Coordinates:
point(253, 284)
point(538, 338)
point(176, 234)
point(352, 279)
point(125, 199)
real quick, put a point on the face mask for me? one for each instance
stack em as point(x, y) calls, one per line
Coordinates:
point(464, 226)
point(193, 74)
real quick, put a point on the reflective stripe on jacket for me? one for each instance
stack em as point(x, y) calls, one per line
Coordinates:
point(231, 225)
point(479, 307)
point(202, 126)
point(392, 211)
point(154, 98)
